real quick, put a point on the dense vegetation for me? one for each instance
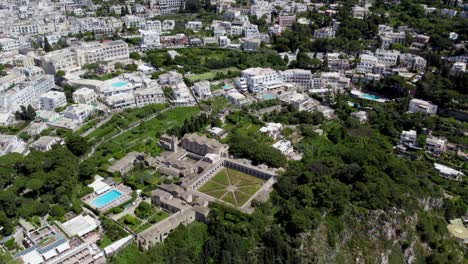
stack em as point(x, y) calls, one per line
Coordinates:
point(37, 184)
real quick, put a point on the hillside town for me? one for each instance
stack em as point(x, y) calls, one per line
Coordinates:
point(128, 126)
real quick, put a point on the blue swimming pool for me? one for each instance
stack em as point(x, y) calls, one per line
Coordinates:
point(119, 84)
point(106, 198)
point(369, 97)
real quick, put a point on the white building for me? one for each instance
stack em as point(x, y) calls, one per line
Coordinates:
point(150, 38)
point(168, 25)
point(171, 6)
point(133, 21)
point(299, 77)
point(150, 95)
point(9, 44)
point(26, 93)
point(435, 145)
point(224, 41)
point(170, 78)
point(388, 38)
point(448, 173)
point(195, 26)
point(52, 100)
point(85, 96)
point(182, 95)
point(360, 12)
point(202, 89)
point(121, 101)
point(273, 130)
point(367, 62)
point(11, 143)
point(46, 143)
point(251, 31)
point(421, 106)
point(73, 58)
point(361, 116)
point(387, 57)
point(458, 67)
point(260, 79)
point(152, 26)
point(326, 32)
point(408, 138)
point(78, 112)
point(285, 146)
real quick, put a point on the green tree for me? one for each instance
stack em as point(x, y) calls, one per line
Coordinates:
point(77, 145)
point(47, 46)
point(135, 55)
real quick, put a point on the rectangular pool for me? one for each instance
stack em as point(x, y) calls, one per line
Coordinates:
point(369, 97)
point(106, 198)
point(119, 84)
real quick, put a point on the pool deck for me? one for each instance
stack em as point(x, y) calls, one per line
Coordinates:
point(362, 95)
point(124, 190)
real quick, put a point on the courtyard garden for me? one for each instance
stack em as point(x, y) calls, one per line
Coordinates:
point(232, 186)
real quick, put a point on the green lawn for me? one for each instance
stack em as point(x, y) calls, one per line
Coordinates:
point(211, 74)
point(218, 186)
point(221, 177)
point(216, 193)
point(124, 119)
point(229, 198)
point(211, 186)
point(104, 241)
point(5, 257)
point(158, 217)
point(142, 138)
point(130, 221)
point(250, 189)
point(242, 198)
point(241, 179)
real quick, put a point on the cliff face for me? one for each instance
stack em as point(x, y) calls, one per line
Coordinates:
point(368, 236)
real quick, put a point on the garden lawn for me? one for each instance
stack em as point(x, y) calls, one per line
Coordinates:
point(210, 75)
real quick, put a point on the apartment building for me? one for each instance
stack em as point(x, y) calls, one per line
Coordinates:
point(121, 101)
point(168, 25)
point(251, 31)
point(61, 60)
point(334, 80)
point(150, 95)
point(326, 32)
point(10, 80)
point(171, 6)
point(72, 59)
point(413, 62)
point(388, 38)
point(435, 146)
point(78, 112)
point(202, 89)
point(133, 21)
point(387, 57)
point(85, 96)
point(421, 106)
point(106, 51)
point(408, 138)
point(9, 44)
point(260, 79)
point(286, 20)
point(11, 143)
point(150, 38)
point(458, 67)
point(52, 100)
point(195, 26)
point(26, 93)
point(152, 26)
point(301, 78)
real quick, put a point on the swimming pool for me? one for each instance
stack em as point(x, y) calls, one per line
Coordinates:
point(106, 198)
point(369, 97)
point(119, 84)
